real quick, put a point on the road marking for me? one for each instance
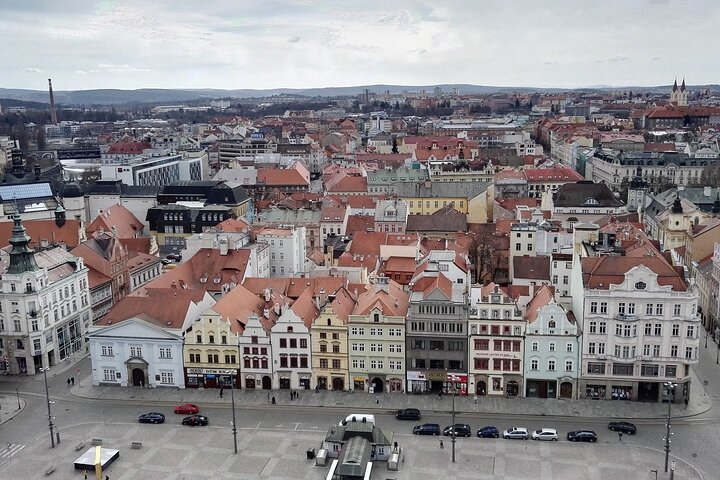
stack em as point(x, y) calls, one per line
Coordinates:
point(11, 451)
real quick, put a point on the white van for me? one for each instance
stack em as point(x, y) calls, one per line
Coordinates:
point(358, 417)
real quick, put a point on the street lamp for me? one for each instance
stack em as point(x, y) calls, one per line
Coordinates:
point(672, 470)
point(670, 387)
point(18, 397)
point(47, 397)
point(234, 423)
point(454, 434)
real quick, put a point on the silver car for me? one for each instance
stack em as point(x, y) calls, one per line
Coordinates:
point(549, 434)
point(516, 432)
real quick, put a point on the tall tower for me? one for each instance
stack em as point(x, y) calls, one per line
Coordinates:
point(53, 113)
point(679, 95)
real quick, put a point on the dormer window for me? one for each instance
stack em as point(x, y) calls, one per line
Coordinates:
point(551, 324)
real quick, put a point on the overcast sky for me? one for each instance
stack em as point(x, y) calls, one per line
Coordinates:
point(313, 43)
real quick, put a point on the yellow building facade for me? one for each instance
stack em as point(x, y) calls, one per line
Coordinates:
point(330, 345)
point(210, 353)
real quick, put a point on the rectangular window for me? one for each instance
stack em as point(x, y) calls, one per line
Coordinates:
point(593, 307)
point(593, 327)
point(166, 378)
point(109, 375)
point(602, 327)
point(659, 309)
point(568, 365)
point(658, 329)
point(649, 309)
point(689, 353)
point(591, 348)
point(623, 368)
point(603, 307)
point(551, 365)
point(569, 347)
point(676, 310)
point(690, 333)
point(551, 346)
point(676, 330)
point(533, 365)
point(674, 351)
point(336, 363)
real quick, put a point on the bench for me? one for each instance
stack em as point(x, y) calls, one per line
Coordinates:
point(136, 445)
point(96, 441)
point(50, 470)
point(79, 446)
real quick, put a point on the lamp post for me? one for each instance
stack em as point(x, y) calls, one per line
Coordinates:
point(18, 397)
point(234, 423)
point(50, 418)
point(672, 470)
point(454, 434)
point(670, 387)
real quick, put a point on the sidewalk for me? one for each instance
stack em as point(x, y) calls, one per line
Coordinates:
point(699, 401)
point(10, 406)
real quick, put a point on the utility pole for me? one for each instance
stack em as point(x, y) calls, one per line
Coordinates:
point(234, 423)
point(670, 387)
point(50, 418)
point(18, 397)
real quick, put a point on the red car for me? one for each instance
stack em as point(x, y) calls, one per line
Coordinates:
point(187, 408)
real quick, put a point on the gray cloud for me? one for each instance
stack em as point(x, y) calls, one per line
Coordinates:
point(135, 44)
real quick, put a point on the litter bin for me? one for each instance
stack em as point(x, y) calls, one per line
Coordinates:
point(321, 459)
point(393, 462)
point(310, 453)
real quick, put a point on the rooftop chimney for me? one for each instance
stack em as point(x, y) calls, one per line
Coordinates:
point(53, 113)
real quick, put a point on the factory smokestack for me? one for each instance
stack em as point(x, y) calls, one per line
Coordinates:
point(53, 113)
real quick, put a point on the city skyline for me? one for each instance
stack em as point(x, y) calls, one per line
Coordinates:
point(306, 44)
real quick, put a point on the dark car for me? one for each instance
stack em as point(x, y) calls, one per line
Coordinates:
point(488, 432)
point(195, 420)
point(624, 427)
point(458, 430)
point(152, 417)
point(582, 436)
point(174, 256)
point(427, 429)
point(408, 414)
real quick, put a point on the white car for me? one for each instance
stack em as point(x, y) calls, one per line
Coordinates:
point(516, 432)
point(549, 434)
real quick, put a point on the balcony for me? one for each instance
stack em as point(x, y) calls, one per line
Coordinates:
point(626, 318)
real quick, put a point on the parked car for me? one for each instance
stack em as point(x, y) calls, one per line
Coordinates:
point(408, 414)
point(582, 436)
point(165, 261)
point(152, 417)
point(174, 256)
point(427, 429)
point(187, 408)
point(488, 432)
point(516, 432)
point(549, 434)
point(358, 417)
point(195, 420)
point(624, 427)
point(458, 430)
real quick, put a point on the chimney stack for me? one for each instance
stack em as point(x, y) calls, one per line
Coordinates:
point(53, 113)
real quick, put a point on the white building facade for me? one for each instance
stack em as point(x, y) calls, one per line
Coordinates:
point(44, 306)
point(136, 353)
point(639, 332)
point(288, 250)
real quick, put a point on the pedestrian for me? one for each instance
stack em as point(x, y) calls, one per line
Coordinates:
point(377, 398)
point(297, 396)
point(273, 400)
point(620, 436)
point(85, 474)
point(68, 382)
point(395, 445)
point(221, 391)
point(72, 380)
point(686, 401)
point(291, 396)
point(475, 399)
point(442, 445)
point(317, 389)
point(107, 477)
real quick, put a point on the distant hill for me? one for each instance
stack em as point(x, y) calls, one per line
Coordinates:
point(159, 95)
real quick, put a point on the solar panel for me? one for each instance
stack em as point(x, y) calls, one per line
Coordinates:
point(23, 191)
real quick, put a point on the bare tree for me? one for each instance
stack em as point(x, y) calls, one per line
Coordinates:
point(485, 255)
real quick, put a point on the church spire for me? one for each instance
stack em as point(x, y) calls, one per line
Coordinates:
point(682, 87)
point(22, 257)
point(675, 86)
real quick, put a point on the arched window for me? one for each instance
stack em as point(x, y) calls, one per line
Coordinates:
point(289, 329)
point(495, 314)
point(551, 324)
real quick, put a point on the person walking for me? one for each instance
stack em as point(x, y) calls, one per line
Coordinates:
point(85, 474)
point(221, 391)
point(72, 380)
point(68, 382)
point(273, 400)
point(442, 445)
point(620, 436)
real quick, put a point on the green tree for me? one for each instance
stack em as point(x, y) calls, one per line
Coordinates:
point(394, 145)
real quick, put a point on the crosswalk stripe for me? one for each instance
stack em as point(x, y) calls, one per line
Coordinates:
point(9, 452)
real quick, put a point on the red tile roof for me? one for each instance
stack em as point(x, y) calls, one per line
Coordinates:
point(130, 147)
point(429, 284)
point(164, 307)
point(349, 184)
point(44, 230)
point(543, 296)
point(600, 272)
point(394, 302)
point(126, 224)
